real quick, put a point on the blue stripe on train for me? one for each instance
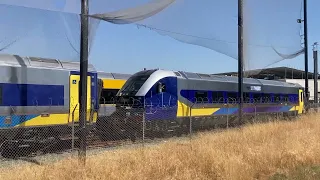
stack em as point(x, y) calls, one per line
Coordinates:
point(267, 109)
point(31, 95)
point(170, 113)
point(15, 120)
point(222, 111)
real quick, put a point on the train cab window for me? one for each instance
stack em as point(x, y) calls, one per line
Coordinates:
point(301, 94)
point(217, 96)
point(161, 88)
point(108, 96)
point(201, 96)
point(164, 87)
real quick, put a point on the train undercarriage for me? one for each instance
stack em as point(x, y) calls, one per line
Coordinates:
point(18, 142)
point(120, 125)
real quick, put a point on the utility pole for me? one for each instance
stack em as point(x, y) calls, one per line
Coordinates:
point(83, 78)
point(240, 58)
point(315, 73)
point(305, 25)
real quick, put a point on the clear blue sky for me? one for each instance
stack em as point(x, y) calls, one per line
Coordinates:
point(127, 49)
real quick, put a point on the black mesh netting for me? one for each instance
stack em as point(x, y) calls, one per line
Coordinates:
point(271, 30)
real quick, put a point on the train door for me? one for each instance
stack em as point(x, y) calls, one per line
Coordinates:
point(75, 97)
point(100, 88)
point(301, 101)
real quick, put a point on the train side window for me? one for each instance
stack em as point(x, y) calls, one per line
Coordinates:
point(108, 96)
point(266, 98)
point(277, 98)
point(246, 97)
point(286, 98)
point(301, 94)
point(201, 96)
point(256, 97)
point(293, 98)
point(217, 96)
point(232, 96)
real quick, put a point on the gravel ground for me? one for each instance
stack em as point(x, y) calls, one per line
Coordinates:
point(54, 157)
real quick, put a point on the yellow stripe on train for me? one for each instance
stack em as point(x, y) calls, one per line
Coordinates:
point(184, 110)
point(55, 119)
point(295, 108)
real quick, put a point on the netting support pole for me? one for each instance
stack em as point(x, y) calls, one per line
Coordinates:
point(240, 58)
point(83, 79)
point(315, 73)
point(305, 26)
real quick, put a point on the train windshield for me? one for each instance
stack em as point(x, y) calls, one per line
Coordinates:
point(133, 85)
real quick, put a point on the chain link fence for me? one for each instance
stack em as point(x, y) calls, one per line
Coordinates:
point(55, 129)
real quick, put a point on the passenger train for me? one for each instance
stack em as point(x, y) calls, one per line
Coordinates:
point(39, 100)
point(170, 98)
point(39, 97)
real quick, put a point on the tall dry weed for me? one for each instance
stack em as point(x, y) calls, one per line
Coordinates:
point(253, 152)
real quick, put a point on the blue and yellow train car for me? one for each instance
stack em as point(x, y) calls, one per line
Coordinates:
point(39, 99)
point(38, 96)
point(171, 98)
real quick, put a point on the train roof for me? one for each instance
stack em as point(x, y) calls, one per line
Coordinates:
point(37, 62)
point(221, 78)
point(106, 75)
point(232, 79)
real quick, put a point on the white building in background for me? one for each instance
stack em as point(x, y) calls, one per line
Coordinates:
point(311, 86)
point(282, 74)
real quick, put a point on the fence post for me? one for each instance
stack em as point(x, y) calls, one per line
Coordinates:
point(190, 121)
point(227, 114)
point(72, 148)
point(92, 110)
point(143, 125)
point(255, 113)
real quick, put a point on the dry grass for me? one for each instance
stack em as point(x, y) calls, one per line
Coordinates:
point(261, 151)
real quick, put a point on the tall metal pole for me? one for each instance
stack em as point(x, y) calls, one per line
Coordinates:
point(83, 78)
point(305, 25)
point(315, 73)
point(240, 58)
